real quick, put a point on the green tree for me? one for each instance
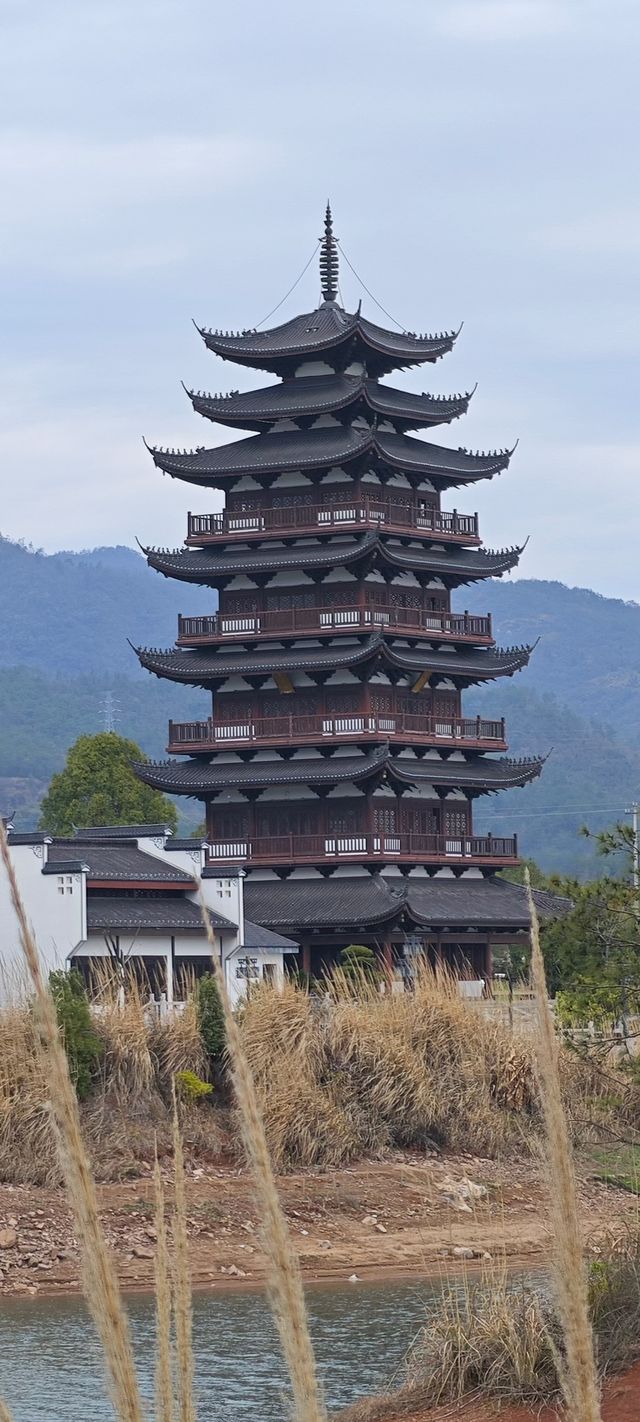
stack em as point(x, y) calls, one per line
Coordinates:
point(211, 1017)
point(99, 786)
point(593, 954)
point(82, 1045)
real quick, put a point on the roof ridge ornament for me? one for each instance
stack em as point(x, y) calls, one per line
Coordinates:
point(329, 266)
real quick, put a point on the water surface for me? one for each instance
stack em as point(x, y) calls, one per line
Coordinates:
point(51, 1370)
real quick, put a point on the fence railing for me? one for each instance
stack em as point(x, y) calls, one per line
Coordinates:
point(286, 730)
point(366, 512)
point(290, 848)
point(301, 620)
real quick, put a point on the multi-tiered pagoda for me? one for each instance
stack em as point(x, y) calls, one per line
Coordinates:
point(337, 763)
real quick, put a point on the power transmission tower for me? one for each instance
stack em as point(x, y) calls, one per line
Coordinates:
point(110, 711)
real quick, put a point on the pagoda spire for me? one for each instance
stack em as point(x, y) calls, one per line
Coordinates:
point(329, 259)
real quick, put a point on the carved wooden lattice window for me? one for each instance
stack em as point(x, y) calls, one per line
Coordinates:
point(456, 823)
point(385, 819)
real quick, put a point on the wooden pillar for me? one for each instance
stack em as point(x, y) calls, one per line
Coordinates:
point(306, 956)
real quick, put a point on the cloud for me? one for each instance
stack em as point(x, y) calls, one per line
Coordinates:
point(490, 20)
point(615, 232)
point(57, 183)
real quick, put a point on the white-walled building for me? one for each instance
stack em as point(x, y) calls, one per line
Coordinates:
point(130, 893)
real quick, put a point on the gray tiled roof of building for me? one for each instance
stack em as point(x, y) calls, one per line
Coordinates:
point(196, 777)
point(112, 860)
point(203, 668)
point(317, 395)
point(174, 914)
point(209, 566)
point(337, 903)
point(332, 330)
point(256, 937)
point(282, 451)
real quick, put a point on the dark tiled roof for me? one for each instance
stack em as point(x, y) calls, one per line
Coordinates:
point(102, 832)
point(337, 903)
point(197, 777)
point(477, 903)
point(271, 454)
point(190, 845)
point(170, 914)
point(323, 903)
point(332, 331)
point(30, 837)
point(316, 395)
point(208, 566)
point(193, 777)
point(110, 860)
point(256, 937)
point(204, 668)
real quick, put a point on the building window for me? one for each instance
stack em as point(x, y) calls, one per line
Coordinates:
point(247, 968)
point(65, 883)
point(223, 888)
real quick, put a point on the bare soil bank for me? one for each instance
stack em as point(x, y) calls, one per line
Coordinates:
point(620, 1403)
point(375, 1220)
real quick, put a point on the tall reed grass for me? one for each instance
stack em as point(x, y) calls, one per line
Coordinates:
point(100, 1282)
point(579, 1376)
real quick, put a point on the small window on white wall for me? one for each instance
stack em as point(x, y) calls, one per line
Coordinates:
point(65, 883)
point(223, 888)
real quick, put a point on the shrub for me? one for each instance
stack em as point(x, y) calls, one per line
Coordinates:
point(191, 1088)
point(359, 961)
point(210, 1017)
point(81, 1043)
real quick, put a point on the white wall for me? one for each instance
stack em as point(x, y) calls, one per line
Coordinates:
point(55, 907)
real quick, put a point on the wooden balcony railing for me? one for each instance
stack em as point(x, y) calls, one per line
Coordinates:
point(305, 621)
point(364, 512)
point(194, 736)
point(435, 848)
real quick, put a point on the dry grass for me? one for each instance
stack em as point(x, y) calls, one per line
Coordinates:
point(27, 1140)
point(488, 1334)
point(360, 1074)
point(182, 1282)
point(579, 1376)
point(164, 1372)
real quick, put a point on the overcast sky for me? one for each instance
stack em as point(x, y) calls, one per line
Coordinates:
point(168, 159)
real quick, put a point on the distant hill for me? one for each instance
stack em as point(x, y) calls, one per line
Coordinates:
point(589, 650)
point(64, 623)
point(71, 613)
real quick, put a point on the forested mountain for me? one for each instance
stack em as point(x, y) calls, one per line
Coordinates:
point(64, 624)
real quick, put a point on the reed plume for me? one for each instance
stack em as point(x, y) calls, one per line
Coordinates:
point(579, 1376)
point(284, 1282)
point(181, 1281)
point(5, 1415)
point(100, 1281)
point(164, 1379)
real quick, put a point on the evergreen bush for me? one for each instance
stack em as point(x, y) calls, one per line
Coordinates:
point(81, 1043)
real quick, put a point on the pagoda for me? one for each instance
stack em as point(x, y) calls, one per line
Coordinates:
point(337, 764)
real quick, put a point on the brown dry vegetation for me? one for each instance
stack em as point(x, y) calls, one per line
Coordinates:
point(354, 1076)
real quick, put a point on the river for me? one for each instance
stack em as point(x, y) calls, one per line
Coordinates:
point(50, 1367)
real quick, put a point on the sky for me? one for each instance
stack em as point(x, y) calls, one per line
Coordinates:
point(164, 160)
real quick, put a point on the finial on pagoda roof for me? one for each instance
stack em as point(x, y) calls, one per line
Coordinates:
point(329, 259)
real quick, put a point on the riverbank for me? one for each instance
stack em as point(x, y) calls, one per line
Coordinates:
point(619, 1404)
point(406, 1217)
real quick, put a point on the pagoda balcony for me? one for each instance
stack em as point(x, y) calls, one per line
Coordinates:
point(292, 850)
point(310, 621)
point(202, 737)
point(364, 513)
